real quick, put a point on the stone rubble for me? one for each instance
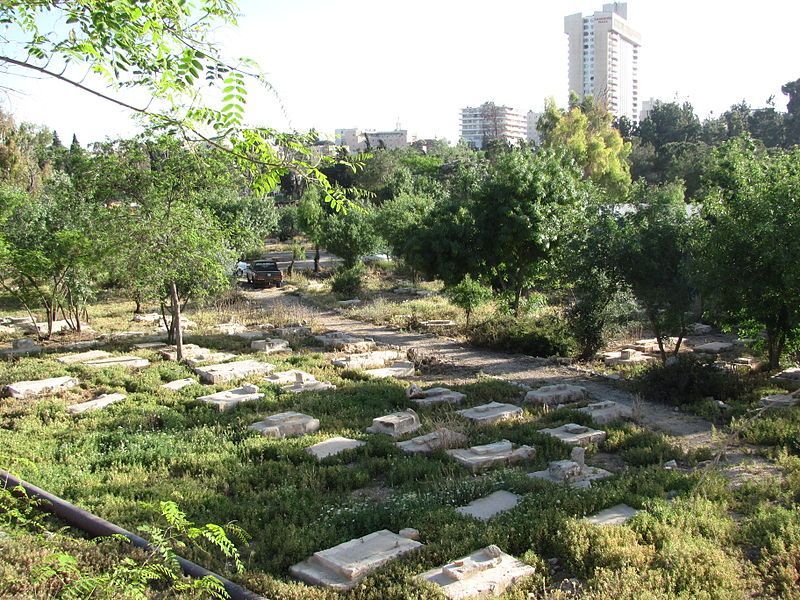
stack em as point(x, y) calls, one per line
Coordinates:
point(480, 458)
point(39, 387)
point(441, 439)
point(229, 399)
point(95, 404)
point(486, 414)
point(286, 424)
point(396, 424)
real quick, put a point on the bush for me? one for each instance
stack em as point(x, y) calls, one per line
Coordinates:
point(538, 336)
point(287, 222)
point(468, 295)
point(347, 282)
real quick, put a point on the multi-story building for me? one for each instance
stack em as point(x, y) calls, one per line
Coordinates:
point(647, 106)
point(533, 127)
point(487, 122)
point(604, 59)
point(357, 140)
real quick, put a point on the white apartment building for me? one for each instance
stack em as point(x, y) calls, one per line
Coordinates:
point(604, 59)
point(488, 122)
point(357, 140)
point(533, 129)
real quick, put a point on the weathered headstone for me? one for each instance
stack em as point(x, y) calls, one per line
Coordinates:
point(230, 398)
point(396, 424)
point(344, 342)
point(575, 435)
point(780, 400)
point(441, 439)
point(232, 370)
point(95, 404)
point(489, 506)
point(480, 458)
point(332, 446)
point(349, 303)
point(295, 331)
point(270, 345)
point(147, 318)
point(713, 348)
point(574, 472)
point(492, 412)
point(39, 387)
point(698, 329)
point(560, 393)
point(286, 424)
point(289, 377)
point(616, 515)
point(438, 324)
point(606, 411)
point(626, 356)
point(230, 328)
point(431, 396)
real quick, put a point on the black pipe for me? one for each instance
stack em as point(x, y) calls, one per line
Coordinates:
point(94, 525)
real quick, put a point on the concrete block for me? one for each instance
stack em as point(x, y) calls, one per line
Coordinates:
point(271, 345)
point(560, 393)
point(441, 439)
point(492, 412)
point(399, 370)
point(71, 359)
point(228, 399)
point(39, 387)
point(606, 411)
point(616, 515)
point(480, 458)
point(576, 435)
point(233, 370)
point(487, 507)
point(486, 572)
point(396, 424)
point(96, 404)
point(286, 424)
point(333, 446)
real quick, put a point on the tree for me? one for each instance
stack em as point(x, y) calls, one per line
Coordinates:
point(670, 122)
point(751, 243)
point(468, 295)
point(653, 253)
point(311, 216)
point(399, 222)
point(792, 132)
point(350, 235)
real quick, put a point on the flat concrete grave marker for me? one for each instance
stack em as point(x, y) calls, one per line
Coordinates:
point(431, 396)
point(195, 355)
point(650, 345)
point(286, 424)
point(288, 377)
point(39, 387)
point(126, 361)
point(573, 472)
point(486, 572)
point(713, 347)
point(96, 404)
point(399, 370)
point(343, 566)
point(560, 393)
point(396, 424)
point(788, 378)
point(308, 385)
point(230, 398)
point(480, 458)
point(606, 411)
point(333, 446)
point(780, 400)
point(626, 356)
point(72, 359)
point(441, 439)
point(616, 515)
point(270, 345)
point(576, 435)
point(179, 384)
point(368, 360)
point(438, 323)
point(487, 507)
point(492, 412)
point(230, 328)
point(296, 331)
point(147, 318)
point(233, 370)
point(337, 340)
point(154, 346)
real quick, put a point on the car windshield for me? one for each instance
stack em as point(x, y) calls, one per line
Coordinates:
point(265, 265)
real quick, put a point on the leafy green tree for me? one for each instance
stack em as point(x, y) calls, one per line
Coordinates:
point(311, 215)
point(468, 295)
point(751, 247)
point(670, 122)
point(791, 89)
point(399, 222)
point(350, 235)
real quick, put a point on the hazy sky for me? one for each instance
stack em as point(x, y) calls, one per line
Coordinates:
point(354, 63)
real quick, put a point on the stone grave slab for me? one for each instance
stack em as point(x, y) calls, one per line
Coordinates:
point(780, 400)
point(179, 384)
point(435, 395)
point(95, 404)
point(713, 347)
point(788, 378)
point(438, 323)
point(343, 566)
point(486, 572)
point(650, 345)
point(480, 458)
point(308, 385)
point(228, 399)
point(573, 472)
point(576, 435)
point(147, 318)
point(185, 324)
point(487, 507)
point(126, 361)
point(230, 328)
point(290, 376)
point(233, 370)
point(270, 345)
point(396, 424)
point(626, 356)
point(21, 347)
point(296, 331)
point(286, 424)
point(398, 370)
point(72, 359)
point(441, 439)
point(154, 346)
point(349, 303)
point(195, 355)
point(39, 387)
point(337, 340)
point(616, 515)
point(493, 412)
point(606, 411)
point(41, 327)
point(368, 360)
point(333, 446)
point(698, 329)
point(560, 393)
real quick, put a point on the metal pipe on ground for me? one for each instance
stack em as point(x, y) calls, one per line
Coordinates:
point(94, 525)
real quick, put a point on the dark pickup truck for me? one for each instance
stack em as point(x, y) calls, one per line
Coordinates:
point(264, 272)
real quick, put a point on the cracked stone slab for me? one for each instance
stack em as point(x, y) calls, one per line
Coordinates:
point(286, 424)
point(491, 413)
point(343, 566)
point(489, 506)
point(271, 345)
point(560, 393)
point(616, 515)
point(221, 373)
point(480, 458)
point(127, 361)
point(398, 370)
point(396, 424)
point(72, 359)
point(486, 572)
point(228, 399)
point(575, 435)
point(606, 411)
point(788, 378)
point(39, 387)
point(179, 384)
point(432, 396)
point(368, 360)
point(333, 446)
point(344, 342)
point(441, 439)
point(96, 404)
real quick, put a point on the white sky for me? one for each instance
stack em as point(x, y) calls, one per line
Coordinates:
point(370, 64)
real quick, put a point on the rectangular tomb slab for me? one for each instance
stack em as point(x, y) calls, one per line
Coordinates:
point(72, 359)
point(788, 378)
point(487, 507)
point(616, 515)
point(179, 384)
point(606, 411)
point(194, 355)
point(491, 413)
point(343, 566)
point(96, 404)
point(480, 458)
point(780, 400)
point(399, 369)
point(296, 331)
point(435, 395)
point(232, 370)
point(626, 356)
point(308, 385)
point(441, 439)
point(561, 393)
point(576, 435)
point(128, 362)
point(337, 340)
point(39, 387)
point(396, 424)
point(332, 446)
point(573, 472)
point(286, 424)
point(713, 347)
point(368, 360)
point(487, 572)
point(230, 398)
point(270, 345)
point(290, 376)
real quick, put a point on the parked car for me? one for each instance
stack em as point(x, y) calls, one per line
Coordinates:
point(264, 272)
point(241, 268)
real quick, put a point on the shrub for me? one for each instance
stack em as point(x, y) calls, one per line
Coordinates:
point(775, 532)
point(538, 336)
point(468, 295)
point(347, 282)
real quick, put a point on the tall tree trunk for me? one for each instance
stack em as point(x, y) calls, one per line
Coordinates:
point(176, 321)
point(290, 268)
point(138, 300)
point(657, 332)
point(316, 259)
point(517, 298)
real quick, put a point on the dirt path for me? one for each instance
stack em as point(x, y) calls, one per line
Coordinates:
point(460, 360)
